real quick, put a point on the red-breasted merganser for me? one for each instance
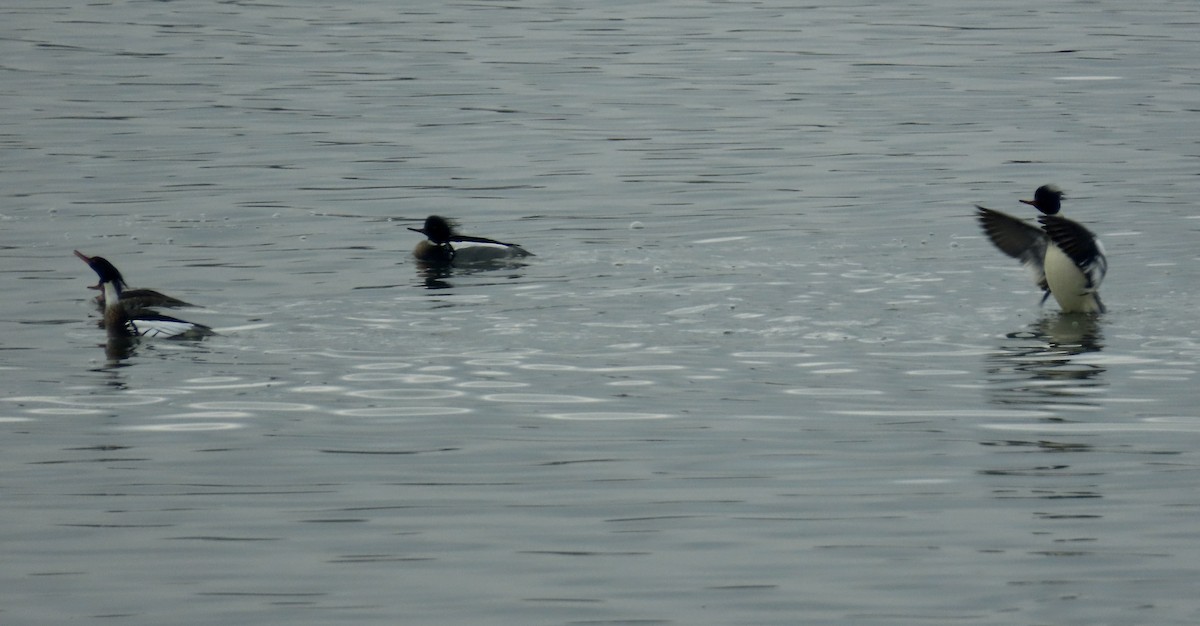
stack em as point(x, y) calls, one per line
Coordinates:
point(1066, 259)
point(135, 298)
point(440, 233)
point(122, 321)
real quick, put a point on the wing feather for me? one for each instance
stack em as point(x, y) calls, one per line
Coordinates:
point(151, 324)
point(1018, 239)
point(1079, 244)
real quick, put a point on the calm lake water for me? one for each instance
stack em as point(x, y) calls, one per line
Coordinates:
point(763, 369)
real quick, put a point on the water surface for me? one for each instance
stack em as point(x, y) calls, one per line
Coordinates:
point(762, 370)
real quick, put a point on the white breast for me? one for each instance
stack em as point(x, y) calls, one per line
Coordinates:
point(1068, 283)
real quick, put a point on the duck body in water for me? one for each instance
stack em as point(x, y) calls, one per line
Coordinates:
point(124, 322)
point(439, 249)
point(1066, 259)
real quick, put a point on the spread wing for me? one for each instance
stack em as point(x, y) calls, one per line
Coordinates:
point(1018, 239)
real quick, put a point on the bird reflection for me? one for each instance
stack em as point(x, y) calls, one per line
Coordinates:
point(438, 276)
point(1037, 366)
point(117, 349)
point(435, 275)
point(117, 354)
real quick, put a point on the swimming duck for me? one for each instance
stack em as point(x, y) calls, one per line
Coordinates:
point(135, 298)
point(122, 321)
point(440, 233)
point(1066, 259)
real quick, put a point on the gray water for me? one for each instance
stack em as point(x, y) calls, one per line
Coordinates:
point(763, 369)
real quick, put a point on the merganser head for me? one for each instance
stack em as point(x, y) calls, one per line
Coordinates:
point(109, 276)
point(437, 250)
point(1047, 199)
point(438, 229)
point(107, 272)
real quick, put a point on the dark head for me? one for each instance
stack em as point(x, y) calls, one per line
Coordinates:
point(437, 229)
point(1047, 199)
point(105, 270)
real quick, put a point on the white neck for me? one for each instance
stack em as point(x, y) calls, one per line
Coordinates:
point(112, 295)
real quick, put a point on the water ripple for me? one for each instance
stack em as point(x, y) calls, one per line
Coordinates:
point(318, 389)
point(407, 394)
point(383, 366)
point(1154, 424)
point(186, 427)
point(208, 415)
point(979, 413)
point(691, 310)
point(416, 379)
point(539, 398)
point(558, 367)
point(771, 355)
point(226, 382)
point(936, 372)
point(491, 384)
point(597, 416)
point(254, 406)
point(490, 362)
point(91, 401)
point(403, 411)
point(832, 392)
point(66, 411)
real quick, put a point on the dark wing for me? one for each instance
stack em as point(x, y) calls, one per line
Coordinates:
point(1018, 239)
point(470, 239)
point(1078, 243)
point(141, 298)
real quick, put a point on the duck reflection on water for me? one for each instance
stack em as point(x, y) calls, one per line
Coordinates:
point(1038, 366)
